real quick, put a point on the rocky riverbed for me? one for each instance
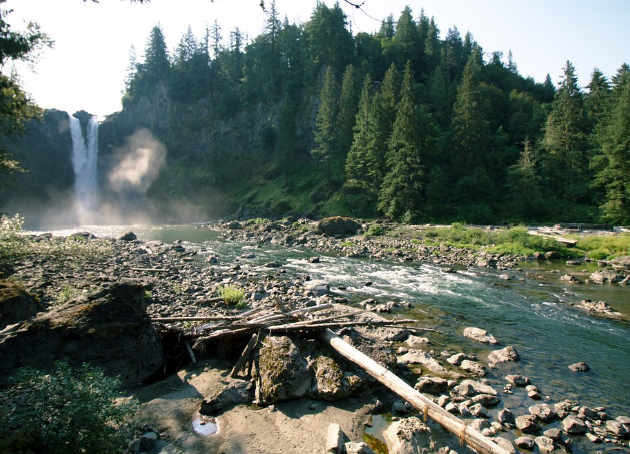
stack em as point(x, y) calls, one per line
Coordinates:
point(167, 280)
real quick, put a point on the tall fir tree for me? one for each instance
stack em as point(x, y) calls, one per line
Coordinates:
point(471, 133)
point(326, 139)
point(400, 195)
point(615, 174)
point(348, 103)
point(565, 142)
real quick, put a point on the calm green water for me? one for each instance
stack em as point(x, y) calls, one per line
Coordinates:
point(531, 315)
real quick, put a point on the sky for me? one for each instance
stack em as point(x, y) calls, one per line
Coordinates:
point(86, 68)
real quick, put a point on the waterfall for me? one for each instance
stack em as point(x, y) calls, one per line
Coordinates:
point(84, 156)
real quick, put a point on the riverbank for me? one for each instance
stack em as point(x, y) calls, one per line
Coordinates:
point(182, 279)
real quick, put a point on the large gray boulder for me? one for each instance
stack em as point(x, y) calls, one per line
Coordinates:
point(338, 225)
point(111, 330)
point(573, 425)
point(507, 354)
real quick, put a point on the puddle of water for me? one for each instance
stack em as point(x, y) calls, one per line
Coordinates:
point(204, 425)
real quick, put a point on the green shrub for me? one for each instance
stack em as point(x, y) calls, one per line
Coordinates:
point(232, 295)
point(67, 411)
point(373, 230)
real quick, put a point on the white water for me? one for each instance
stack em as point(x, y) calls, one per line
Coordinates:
point(84, 158)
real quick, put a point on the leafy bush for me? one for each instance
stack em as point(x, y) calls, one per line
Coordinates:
point(232, 295)
point(373, 230)
point(68, 411)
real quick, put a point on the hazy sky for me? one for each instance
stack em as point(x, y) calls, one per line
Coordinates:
point(86, 68)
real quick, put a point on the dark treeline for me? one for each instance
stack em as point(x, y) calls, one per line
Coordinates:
point(408, 125)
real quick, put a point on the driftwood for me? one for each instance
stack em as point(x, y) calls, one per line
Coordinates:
point(468, 435)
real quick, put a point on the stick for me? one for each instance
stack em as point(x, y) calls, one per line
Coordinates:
point(470, 436)
point(193, 319)
point(190, 352)
point(244, 356)
point(156, 270)
point(304, 310)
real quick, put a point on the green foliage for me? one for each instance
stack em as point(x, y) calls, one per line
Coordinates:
point(232, 295)
point(326, 140)
point(14, 245)
point(373, 230)
point(66, 411)
point(602, 246)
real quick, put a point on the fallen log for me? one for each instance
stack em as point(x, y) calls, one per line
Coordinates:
point(244, 356)
point(468, 435)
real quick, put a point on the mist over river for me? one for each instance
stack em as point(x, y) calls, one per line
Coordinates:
point(532, 314)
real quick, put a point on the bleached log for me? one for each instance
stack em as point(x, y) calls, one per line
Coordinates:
point(468, 435)
point(244, 356)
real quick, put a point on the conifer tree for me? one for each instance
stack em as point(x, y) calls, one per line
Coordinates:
point(615, 174)
point(471, 134)
point(156, 61)
point(326, 140)
point(388, 96)
point(401, 191)
point(565, 140)
point(348, 100)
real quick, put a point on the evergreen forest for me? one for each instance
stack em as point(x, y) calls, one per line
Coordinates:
point(412, 123)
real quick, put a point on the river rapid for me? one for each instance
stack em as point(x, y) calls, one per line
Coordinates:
point(530, 313)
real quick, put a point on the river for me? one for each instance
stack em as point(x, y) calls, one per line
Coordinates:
point(532, 315)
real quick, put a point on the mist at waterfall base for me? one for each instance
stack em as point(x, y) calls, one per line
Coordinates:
point(118, 196)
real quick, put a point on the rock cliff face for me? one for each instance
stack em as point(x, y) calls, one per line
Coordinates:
point(45, 151)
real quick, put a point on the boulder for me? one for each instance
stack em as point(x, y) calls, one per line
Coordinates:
point(542, 412)
point(579, 367)
point(480, 335)
point(505, 444)
point(431, 385)
point(507, 354)
point(552, 255)
point(338, 225)
point(487, 400)
point(545, 444)
point(606, 276)
point(505, 416)
point(111, 330)
point(573, 425)
point(334, 439)
point(128, 236)
point(420, 357)
point(318, 287)
point(617, 429)
point(417, 341)
point(527, 424)
point(571, 279)
point(478, 411)
point(468, 388)
point(474, 368)
point(281, 372)
point(16, 305)
point(621, 263)
point(235, 393)
point(525, 443)
point(407, 436)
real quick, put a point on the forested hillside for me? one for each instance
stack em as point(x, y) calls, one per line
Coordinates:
point(411, 122)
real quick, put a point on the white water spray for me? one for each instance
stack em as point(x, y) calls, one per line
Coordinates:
point(84, 158)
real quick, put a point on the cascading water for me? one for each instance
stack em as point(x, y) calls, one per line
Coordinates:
point(84, 158)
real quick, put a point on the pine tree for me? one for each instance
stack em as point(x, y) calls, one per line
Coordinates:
point(565, 141)
point(326, 139)
point(348, 100)
point(156, 64)
point(615, 175)
point(406, 40)
point(388, 96)
point(525, 198)
point(401, 190)
point(471, 133)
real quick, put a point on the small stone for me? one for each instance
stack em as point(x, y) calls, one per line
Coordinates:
point(573, 425)
point(617, 429)
point(505, 416)
point(334, 439)
point(525, 443)
point(527, 424)
point(148, 441)
point(478, 411)
point(480, 335)
point(456, 359)
point(486, 400)
point(545, 444)
point(554, 434)
point(358, 448)
point(580, 367)
point(518, 380)
point(443, 400)
point(504, 355)
point(128, 236)
point(542, 412)
point(593, 438)
point(505, 444)
point(474, 368)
